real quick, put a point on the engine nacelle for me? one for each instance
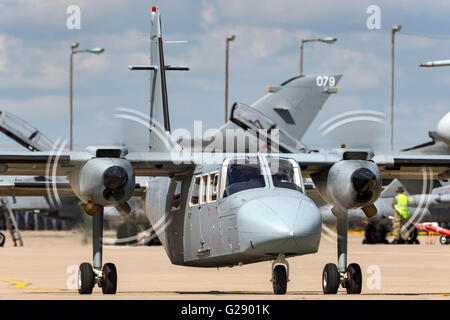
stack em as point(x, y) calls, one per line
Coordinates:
point(349, 184)
point(104, 181)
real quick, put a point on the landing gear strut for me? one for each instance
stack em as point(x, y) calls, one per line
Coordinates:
point(349, 277)
point(89, 275)
point(280, 275)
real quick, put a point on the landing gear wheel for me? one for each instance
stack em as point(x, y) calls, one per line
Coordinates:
point(354, 279)
point(375, 233)
point(444, 240)
point(86, 278)
point(279, 280)
point(412, 238)
point(330, 279)
point(109, 279)
point(2, 239)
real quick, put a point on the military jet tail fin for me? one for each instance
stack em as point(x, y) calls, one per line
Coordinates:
point(294, 104)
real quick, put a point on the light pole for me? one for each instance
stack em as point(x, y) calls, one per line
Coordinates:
point(73, 51)
point(327, 40)
point(394, 30)
point(228, 40)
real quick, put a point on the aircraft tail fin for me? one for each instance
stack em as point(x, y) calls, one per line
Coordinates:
point(159, 105)
point(295, 103)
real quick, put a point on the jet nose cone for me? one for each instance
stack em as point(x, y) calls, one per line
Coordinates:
point(279, 225)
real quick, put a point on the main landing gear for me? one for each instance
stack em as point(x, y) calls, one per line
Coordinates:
point(89, 275)
point(349, 277)
point(280, 275)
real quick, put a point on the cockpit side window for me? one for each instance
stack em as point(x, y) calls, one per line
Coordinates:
point(285, 173)
point(195, 191)
point(242, 174)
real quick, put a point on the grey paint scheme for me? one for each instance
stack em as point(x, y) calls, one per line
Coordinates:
point(246, 227)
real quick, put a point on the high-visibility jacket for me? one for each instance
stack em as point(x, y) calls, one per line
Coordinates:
point(402, 205)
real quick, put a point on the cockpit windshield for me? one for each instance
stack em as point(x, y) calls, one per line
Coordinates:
point(285, 173)
point(242, 174)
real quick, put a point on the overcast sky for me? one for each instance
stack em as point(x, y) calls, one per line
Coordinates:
point(35, 48)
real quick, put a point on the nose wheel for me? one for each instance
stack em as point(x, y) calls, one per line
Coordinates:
point(280, 275)
point(90, 275)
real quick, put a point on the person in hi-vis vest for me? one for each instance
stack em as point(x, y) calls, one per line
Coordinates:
point(400, 204)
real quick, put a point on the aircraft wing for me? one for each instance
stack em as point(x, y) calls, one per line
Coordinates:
point(44, 173)
point(391, 165)
point(29, 186)
point(412, 166)
point(51, 164)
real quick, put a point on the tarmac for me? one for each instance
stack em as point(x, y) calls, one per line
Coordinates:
point(46, 268)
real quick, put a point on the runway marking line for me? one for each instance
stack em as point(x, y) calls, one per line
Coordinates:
point(26, 285)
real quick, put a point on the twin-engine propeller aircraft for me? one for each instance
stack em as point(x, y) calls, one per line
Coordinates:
point(219, 209)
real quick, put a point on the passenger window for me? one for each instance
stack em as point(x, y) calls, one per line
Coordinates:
point(213, 183)
point(176, 199)
point(195, 191)
point(203, 189)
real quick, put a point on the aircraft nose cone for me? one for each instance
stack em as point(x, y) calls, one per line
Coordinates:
point(279, 225)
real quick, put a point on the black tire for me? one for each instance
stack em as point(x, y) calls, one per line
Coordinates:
point(2, 239)
point(354, 279)
point(330, 279)
point(443, 240)
point(86, 278)
point(412, 237)
point(375, 233)
point(279, 280)
point(109, 279)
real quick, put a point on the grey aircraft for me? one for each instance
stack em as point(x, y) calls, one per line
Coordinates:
point(213, 209)
point(427, 205)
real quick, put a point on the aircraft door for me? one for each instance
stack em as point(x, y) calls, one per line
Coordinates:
point(196, 212)
point(210, 223)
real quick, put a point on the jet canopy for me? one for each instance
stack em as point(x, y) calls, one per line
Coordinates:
point(250, 118)
point(23, 132)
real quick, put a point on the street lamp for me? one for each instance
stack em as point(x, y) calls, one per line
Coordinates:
point(394, 30)
point(228, 40)
point(327, 40)
point(73, 50)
